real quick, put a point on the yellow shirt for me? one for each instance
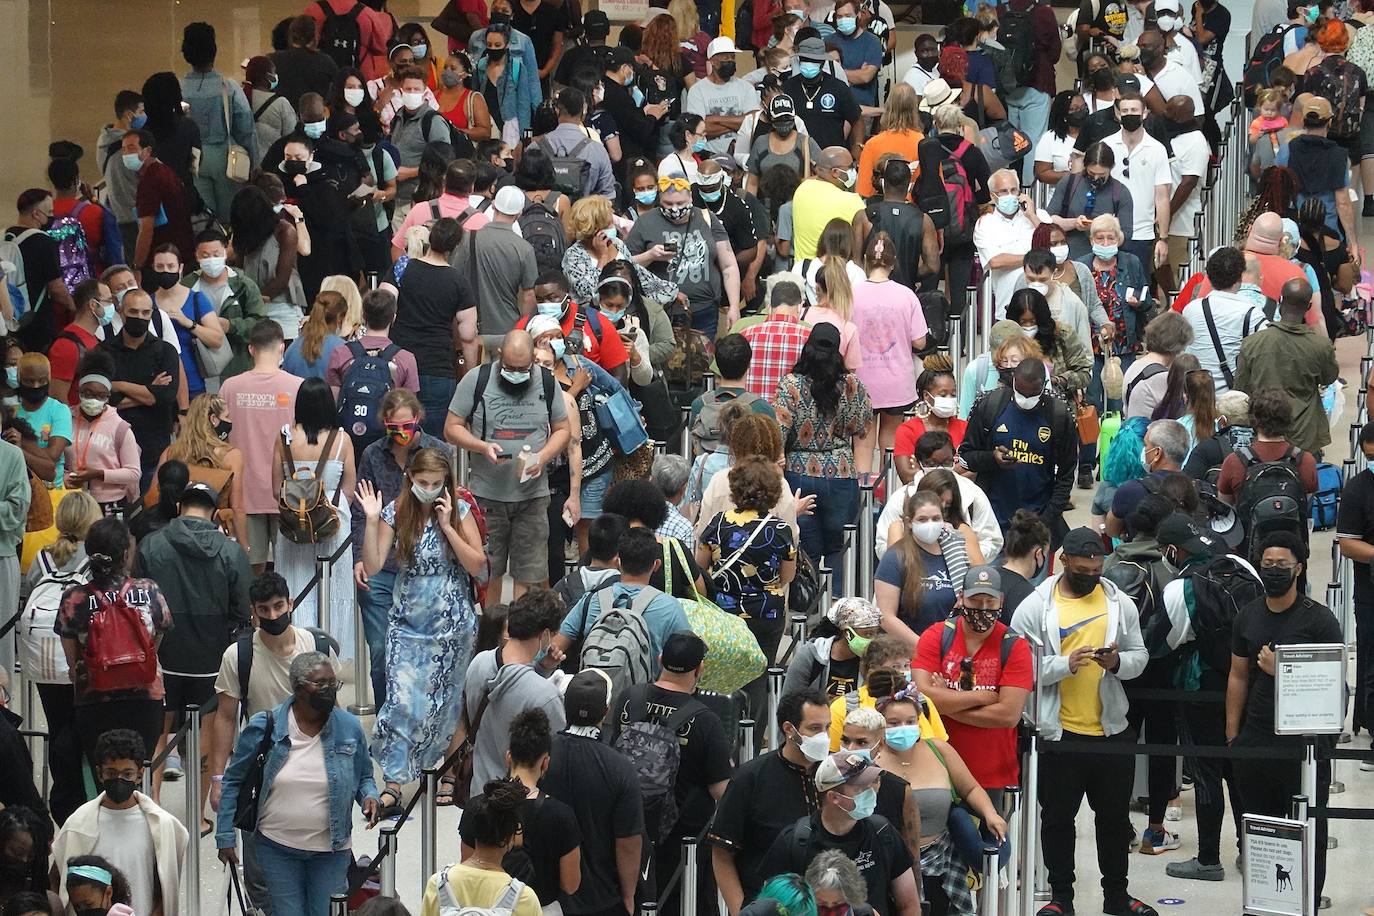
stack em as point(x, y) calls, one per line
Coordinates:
point(814, 204)
point(478, 887)
point(1082, 622)
point(931, 726)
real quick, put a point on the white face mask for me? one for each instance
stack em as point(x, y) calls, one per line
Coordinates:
point(814, 748)
point(927, 532)
point(1041, 288)
point(426, 496)
point(1026, 403)
point(1030, 331)
point(1060, 252)
point(944, 406)
point(354, 97)
point(412, 100)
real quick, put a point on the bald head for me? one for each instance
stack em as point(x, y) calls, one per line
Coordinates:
point(1179, 109)
point(834, 166)
point(517, 350)
point(1294, 300)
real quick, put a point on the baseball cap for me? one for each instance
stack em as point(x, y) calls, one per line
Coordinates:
point(1179, 530)
point(596, 23)
point(618, 57)
point(722, 45)
point(781, 107)
point(1167, 6)
point(846, 768)
point(983, 580)
point(588, 697)
point(683, 652)
point(1083, 542)
point(202, 493)
point(825, 336)
point(510, 200)
point(812, 49)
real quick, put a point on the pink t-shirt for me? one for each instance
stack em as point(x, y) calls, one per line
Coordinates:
point(449, 205)
point(404, 373)
point(849, 342)
point(888, 317)
point(260, 404)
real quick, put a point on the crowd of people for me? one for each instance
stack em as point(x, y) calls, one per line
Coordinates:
point(399, 311)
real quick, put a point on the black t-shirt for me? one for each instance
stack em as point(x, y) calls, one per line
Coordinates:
point(843, 677)
point(593, 56)
point(300, 70)
point(430, 295)
point(152, 424)
point(549, 832)
point(547, 19)
point(1255, 627)
point(704, 751)
point(734, 216)
point(602, 788)
point(975, 166)
point(826, 107)
point(1356, 520)
point(905, 223)
point(875, 845)
point(1110, 18)
point(1015, 589)
point(41, 265)
point(766, 795)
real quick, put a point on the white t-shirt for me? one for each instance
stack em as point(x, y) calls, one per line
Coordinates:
point(1174, 80)
point(1191, 157)
point(127, 841)
point(734, 98)
point(994, 234)
point(296, 812)
point(1148, 164)
point(1234, 318)
point(1182, 52)
point(917, 78)
point(1055, 150)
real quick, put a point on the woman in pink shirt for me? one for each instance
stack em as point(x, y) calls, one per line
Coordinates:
point(103, 456)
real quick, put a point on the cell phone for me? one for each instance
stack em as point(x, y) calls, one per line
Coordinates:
point(670, 247)
point(1102, 651)
point(632, 323)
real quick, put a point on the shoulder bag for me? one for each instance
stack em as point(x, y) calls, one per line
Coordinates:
point(250, 793)
point(239, 163)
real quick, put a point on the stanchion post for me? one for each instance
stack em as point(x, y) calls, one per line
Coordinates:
point(30, 692)
point(890, 470)
point(362, 669)
point(429, 816)
point(956, 345)
point(1011, 813)
point(849, 568)
point(689, 876)
point(978, 336)
point(686, 449)
point(193, 774)
point(464, 460)
point(322, 569)
point(338, 905)
point(863, 572)
point(798, 622)
point(147, 777)
point(648, 908)
point(987, 898)
point(708, 380)
point(775, 676)
point(1030, 807)
point(746, 740)
point(388, 851)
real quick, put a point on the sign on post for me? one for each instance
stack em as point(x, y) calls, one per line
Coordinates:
point(1309, 689)
point(624, 10)
point(1275, 876)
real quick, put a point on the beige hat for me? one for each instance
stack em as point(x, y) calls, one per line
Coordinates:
point(937, 93)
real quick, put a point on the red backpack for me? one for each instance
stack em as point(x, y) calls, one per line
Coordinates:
point(119, 654)
point(963, 214)
point(479, 583)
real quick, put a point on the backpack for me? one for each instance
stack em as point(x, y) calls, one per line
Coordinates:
point(1141, 582)
point(935, 307)
point(930, 189)
point(619, 642)
point(947, 641)
point(243, 646)
point(690, 359)
point(340, 37)
point(12, 263)
point(111, 241)
point(1271, 497)
point(40, 647)
point(1016, 34)
point(571, 168)
point(1361, 50)
point(1264, 60)
point(305, 513)
point(1221, 587)
point(118, 654)
point(73, 250)
point(366, 380)
point(706, 427)
point(504, 905)
point(1327, 498)
point(462, 144)
point(1148, 372)
point(655, 751)
point(542, 227)
point(963, 214)
point(1336, 81)
point(484, 379)
point(479, 583)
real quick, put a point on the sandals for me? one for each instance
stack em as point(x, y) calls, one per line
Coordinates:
point(390, 809)
point(447, 789)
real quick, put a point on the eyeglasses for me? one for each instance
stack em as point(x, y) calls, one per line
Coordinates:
point(331, 684)
point(107, 773)
point(674, 183)
point(1278, 564)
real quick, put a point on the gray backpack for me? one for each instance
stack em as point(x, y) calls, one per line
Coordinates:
point(619, 642)
point(706, 427)
point(504, 905)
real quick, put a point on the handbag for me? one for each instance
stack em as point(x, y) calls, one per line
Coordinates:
point(238, 163)
point(662, 418)
point(213, 361)
point(733, 658)
point(219, 479)
point(250, 795)
point(467, 751)
point(1001, 143)
point(1088, 426)
point(618, 414)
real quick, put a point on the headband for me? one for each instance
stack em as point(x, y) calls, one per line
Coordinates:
point(613, 281)
point(91, 872)
point(94, 377)
point(908, 694)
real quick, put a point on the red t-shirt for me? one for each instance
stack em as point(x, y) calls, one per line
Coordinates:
point(915, 428)
point(64, 355)
point(601, 345)
point(989, 752)
point(1233, 470)
point(161, 196)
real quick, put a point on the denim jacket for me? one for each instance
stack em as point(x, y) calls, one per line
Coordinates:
point(347, 764)
point(516, 89)
point(1129, 275)
point(521, 48)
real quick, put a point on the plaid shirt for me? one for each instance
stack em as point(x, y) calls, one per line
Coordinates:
point(776, 342)
point(675, 525)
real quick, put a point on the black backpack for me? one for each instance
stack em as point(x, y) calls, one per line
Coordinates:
point(571, 168)
point(1016, 33)
point(365, 382)
point(340, 37)
point(655, 751)
point(1271, 497)
point(947, 641)
point(1264, 60)
point(1221, 587)
point(244, 645)
point(463, 147)
point(1141, 582)
point(542, 227)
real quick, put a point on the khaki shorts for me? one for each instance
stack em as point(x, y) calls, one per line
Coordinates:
point(262, 531)
point(1180, 250)
point(519, 533)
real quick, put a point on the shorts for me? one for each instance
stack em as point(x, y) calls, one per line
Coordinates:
point(1367, 133)
point(594, 492)
point(262, 531)
point(1353, 146)
point(518, 532)
point(183, 690)
point(1180, 247)
point(896, 411)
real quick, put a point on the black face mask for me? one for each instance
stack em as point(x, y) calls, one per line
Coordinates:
point(1276, 581)
point(293, 167)
point(1131, 123)
point(1102, 79)
point(726, 69)
point(1082, 584)
point(165, 279)
point(1005, 376)
point(276, 626)
point(119, 790)
point(136, 327)
point(1148, 59)
point(222, 429)
point(1097, 184)
point(14, 874)
point(500, 17)
point(1077, 118)
point(33, 394)
point(496, 53)
point(323, 699)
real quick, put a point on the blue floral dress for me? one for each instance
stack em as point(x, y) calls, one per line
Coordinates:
point(429, 640)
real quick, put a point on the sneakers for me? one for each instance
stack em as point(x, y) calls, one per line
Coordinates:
point(1055, 908)
point(172, 771)
point(1187, 783)
point(1152, 842)
point(1173, 813)
point(1368, 206)
point(1129, 907)
point(1367, 765)
point(1194, 870)
point(1085, 478)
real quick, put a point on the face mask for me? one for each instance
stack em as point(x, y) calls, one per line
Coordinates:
point(675, 214)
point(354, 97)
point(500, 16)
point(927, 532)
point(810, 69)
point(1082, 583)
point(1105, 252)
point(1097, 184)
point(93, 407)
point(647, 198)
point(34, 395)
point(726, 69)
point(1030, 331)
point(814, 748)
point(846, 25)
point(426, 496)
point(864, 804)
point(1102, 79)
point(944, 406)
point(1312, 14)
point(212, 267)
point(699, 145)
point(165, 279)
point(131, 161)
point(276, 626)
point(403, 433)
point(800, 14)
point(711, 196)
point(277, 208)
point(294, 167)
point(1148, 59)
point(857, 644)
point(516, 379)
point(324, 699)
point(420, 51)
point(638, 95)
point(496, 53)
point(1276, 581)
point(136, 327)
point(1041, 288)
point(902, 737)
point(784, 128)
point(1077, 118)
point(864, 752)
point(1131, 123)
point(138, 121)
point(118, 790)
point(1060, 252)
point(551, 309)
point(559, 346)
point(1166, 24)
point(107, 313)
point(222, 429)
point(12, 376)
point(1145, 457)
point(314, 129)
point(450, 78)
point(1026, 403)
point(851, 176)
point(979, 619)
point(1008, 205)
point(609, 232)
point(413, 100)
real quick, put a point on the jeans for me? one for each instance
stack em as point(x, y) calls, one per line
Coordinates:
point(822, 532)
point(375, 604)
point(436, 392)
point(300, 881)
point(1364, 666)
point(254, 883)
point(1028, 109)
point(214, 186)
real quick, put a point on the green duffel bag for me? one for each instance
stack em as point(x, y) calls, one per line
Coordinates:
point(733, 656)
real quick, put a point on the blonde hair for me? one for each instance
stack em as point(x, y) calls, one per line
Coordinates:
point(684, 13)
point(1270, 96)
point(34, 361)
point(198, 445)
point(345, 287)
point(73, 518)
point(902, 111)
point(948, 118)
point(1106, 221)
point(417, 241)
point(326, 317)
point(839, 295)
point(1027, 346)
point(589, 216)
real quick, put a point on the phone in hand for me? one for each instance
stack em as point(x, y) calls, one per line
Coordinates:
point(1102, 651)
point(632, 323)
point(670, 247)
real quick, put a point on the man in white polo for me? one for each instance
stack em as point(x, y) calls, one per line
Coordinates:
point(1142, 164)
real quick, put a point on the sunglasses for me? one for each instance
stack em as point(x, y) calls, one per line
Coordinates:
point(674, 183)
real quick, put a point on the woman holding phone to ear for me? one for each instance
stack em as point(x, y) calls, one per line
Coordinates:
point(433, 620)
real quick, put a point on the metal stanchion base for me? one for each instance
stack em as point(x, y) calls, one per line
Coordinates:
point(1345, 738)
point(368, 710)
point(1337, 787)
point(1332, 842)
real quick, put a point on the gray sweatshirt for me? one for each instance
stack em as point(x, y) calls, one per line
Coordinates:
point(512, 688)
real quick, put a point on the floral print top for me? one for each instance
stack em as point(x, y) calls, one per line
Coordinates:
point(818, 446)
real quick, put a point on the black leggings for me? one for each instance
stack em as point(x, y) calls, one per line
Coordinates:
point(1159, 721)
point(95, 719)
point(64, 760)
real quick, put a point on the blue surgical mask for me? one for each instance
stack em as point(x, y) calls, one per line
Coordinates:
point(810, 69)
point(613, 317)
point(647, 198)
point(277, 208)
point(1105, 252)
point(902, 737)
point(610, 232)
point(515, 378)
point(864, 804)
point(846, 25)
point(138, 121)
point(699, 145)
point(552, 309)
point(131, 161)
point(420, 51)
point(274, 82)
point(314, 129)
point(12, 376)
point(712, 196)
point(107, 314)
point(558, 345)
point(1008, 204)
point(638, 95)
point(864, 752)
